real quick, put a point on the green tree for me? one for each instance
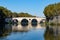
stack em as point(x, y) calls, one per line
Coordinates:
point(14, 14)
point(6, 11)
point(52, 10)
point(25, 15)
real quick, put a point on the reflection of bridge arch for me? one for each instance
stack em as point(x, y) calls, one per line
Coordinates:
point(24, 22)
point(34, 22)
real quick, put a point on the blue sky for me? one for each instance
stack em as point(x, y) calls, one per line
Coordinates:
point(33, 7)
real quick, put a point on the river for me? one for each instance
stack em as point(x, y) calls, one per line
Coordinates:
point(32, 33)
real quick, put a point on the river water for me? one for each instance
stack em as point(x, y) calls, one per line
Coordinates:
point(18, 32)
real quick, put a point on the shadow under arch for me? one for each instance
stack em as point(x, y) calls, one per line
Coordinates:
point(15, 21)
point(24, 22)
point(42, 21)
point(34, 22)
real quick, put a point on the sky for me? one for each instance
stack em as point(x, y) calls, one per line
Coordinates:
point(33, 7)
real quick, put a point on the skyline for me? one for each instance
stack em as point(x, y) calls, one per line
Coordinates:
point(33, 7)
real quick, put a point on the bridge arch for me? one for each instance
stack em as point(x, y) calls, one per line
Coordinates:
point(34, 22)
point(15, 21)
point(24, 22)
point(42, 21)
point(29, 19)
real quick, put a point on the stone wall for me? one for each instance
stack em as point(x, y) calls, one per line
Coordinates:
point(56, 19)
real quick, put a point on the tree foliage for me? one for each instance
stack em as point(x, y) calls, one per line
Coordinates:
point(5, 11)
point(52, 10)
point(24, 15)
point(8, 13)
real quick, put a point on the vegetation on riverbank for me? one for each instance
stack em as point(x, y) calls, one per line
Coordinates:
point(52, 10)
point(9, 13)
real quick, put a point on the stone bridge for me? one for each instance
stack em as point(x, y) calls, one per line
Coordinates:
point(27, 22)
point(29, 19)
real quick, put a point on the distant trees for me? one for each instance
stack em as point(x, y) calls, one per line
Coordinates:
point(51, 10)
point(14, 14)
point(24, 15)
point(8, 13)
point(5, 11)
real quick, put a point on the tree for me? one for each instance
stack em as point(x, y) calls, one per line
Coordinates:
point(52, 10)
point(25, 15)
point(14, 14)
point(6, 11)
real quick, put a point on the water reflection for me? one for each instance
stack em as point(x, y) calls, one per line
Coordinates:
point(29, 32)
point(24, 28)
point(4, 30)
point(53, 33)
point(23, 33)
